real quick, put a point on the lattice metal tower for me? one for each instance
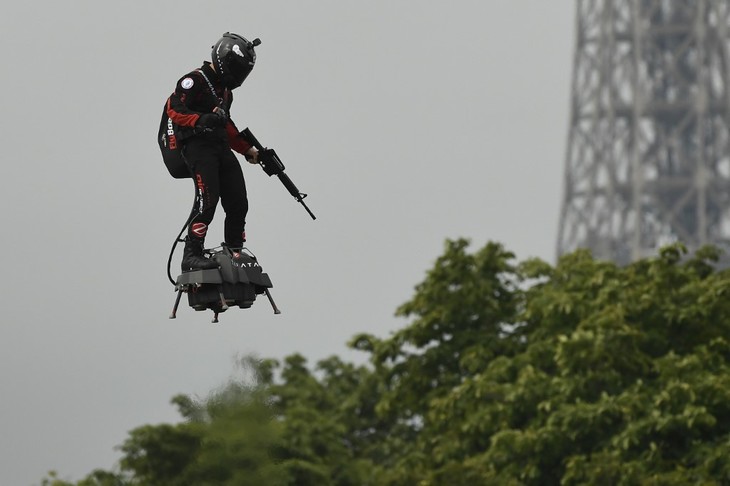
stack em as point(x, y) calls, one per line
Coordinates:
point(648, 153)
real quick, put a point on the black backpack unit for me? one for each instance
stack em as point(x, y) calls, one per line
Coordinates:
point(169, 140)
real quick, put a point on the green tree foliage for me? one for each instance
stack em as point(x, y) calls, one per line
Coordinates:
point(593, 374)
point(505, 374)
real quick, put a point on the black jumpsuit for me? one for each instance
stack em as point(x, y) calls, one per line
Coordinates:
point(216, 171)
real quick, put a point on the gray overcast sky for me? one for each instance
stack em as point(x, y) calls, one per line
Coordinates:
point(406, 122)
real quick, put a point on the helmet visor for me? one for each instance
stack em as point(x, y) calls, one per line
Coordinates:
point(238, 73)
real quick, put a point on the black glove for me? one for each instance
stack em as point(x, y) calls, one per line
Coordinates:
point(221, 113)
point(211, 120)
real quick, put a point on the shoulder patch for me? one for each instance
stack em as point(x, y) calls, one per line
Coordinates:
point(187, 83)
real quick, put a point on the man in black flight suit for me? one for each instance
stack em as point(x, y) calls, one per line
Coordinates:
point(200, 106)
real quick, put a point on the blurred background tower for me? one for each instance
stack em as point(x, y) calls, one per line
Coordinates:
point(648, 152)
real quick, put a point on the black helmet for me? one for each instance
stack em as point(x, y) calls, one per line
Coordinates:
point(233, 58)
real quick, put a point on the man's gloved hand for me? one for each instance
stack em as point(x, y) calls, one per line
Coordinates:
point(210, 120)
point(220, 112)
point(216, 119)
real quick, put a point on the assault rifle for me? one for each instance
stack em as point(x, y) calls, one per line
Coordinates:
point(272, 165)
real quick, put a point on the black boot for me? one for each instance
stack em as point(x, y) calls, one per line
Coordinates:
point(193, 258)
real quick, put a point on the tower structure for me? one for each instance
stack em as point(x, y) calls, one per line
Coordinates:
point(648, 152)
